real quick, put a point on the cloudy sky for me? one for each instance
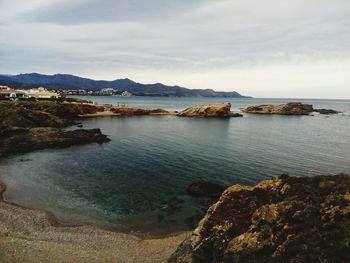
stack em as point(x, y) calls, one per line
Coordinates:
point(270, 48)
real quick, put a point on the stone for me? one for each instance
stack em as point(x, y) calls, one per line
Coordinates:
point(210, 110)
point(291, 108)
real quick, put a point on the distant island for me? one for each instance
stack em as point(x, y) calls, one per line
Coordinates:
point(70, 82)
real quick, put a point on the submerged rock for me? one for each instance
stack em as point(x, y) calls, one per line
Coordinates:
point(326, 111)
point(210, 110)
point(291, 108)
point(204, 188)
point(287, 219)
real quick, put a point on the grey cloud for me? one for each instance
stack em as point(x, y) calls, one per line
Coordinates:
point(99, 11)
point(189, 36)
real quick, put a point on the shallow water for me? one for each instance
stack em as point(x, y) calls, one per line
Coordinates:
point(137, 181)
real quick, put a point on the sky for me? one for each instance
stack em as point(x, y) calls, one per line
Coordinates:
point(270, 48)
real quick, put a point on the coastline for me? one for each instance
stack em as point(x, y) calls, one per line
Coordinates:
point(34, 235)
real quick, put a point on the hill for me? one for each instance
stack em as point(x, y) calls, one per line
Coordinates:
point(66, 81)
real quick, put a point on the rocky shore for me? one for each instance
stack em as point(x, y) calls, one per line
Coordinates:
point(287, 219)
point(28, 126)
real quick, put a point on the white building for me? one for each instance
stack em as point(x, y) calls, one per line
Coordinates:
point(126, 94)
point(42, 93)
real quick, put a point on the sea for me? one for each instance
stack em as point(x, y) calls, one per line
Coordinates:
point(137, 182)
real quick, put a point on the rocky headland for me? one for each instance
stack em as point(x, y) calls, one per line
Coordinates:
point(287, 219)
point(210, 110)
point(291, 108)
point(28, 126)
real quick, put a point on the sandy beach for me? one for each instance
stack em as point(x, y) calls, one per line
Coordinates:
point(30, 235)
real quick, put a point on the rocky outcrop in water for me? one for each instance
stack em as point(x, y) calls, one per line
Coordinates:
point(291, 108)
point(210, 110)
point(287, 219)
point(127, 111)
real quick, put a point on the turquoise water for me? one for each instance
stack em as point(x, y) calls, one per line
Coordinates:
point(137, 181)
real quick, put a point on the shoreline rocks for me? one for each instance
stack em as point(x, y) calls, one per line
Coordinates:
point(286, 219)
point(210, 110)
point(28, 140)
point(291, 108)
point(28, 126)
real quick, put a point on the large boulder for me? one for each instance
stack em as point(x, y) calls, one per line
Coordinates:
point(287, 219)
point(291, 108)
point(210, 110)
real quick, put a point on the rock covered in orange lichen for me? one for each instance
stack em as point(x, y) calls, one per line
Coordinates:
point(288, 219)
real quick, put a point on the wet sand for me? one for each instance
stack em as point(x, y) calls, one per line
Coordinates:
point(32, 235)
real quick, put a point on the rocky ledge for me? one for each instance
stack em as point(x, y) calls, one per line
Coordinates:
point(287, 219)
point(28, 126)
point(291, 108)
point(20, 140)
point(127, 111)
point(210, 110)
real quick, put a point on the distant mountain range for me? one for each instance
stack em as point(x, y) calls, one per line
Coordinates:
point(65, 81)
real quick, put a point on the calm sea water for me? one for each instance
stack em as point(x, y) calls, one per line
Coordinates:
point(137, 181)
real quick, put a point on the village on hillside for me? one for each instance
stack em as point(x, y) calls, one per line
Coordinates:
point(43, 93)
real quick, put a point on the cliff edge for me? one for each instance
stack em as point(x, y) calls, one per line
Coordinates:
point(287, 219)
